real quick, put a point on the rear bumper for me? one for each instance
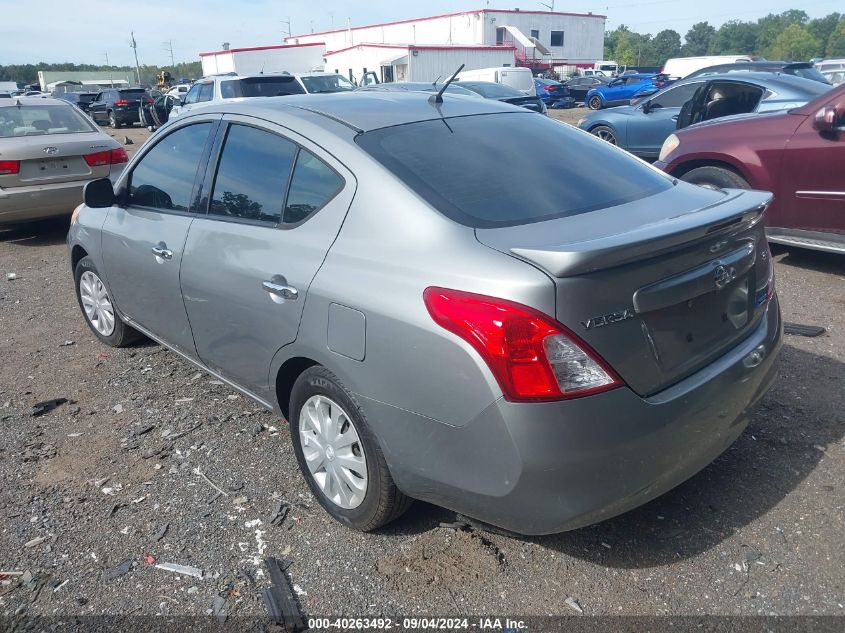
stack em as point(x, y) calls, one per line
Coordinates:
point(22, 204)
point(126, 115)
point(550, 467)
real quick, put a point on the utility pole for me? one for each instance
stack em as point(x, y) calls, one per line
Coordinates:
point(287, 24)
point(168, 46)
point(134, 46)
point(550, 7)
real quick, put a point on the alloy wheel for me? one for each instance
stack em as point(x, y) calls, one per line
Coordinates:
point(96, 303)
point(333, 451)
point(595, 103)
point(606, 135)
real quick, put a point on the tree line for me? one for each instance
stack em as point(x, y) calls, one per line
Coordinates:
point(28, 73)
point(788, 36)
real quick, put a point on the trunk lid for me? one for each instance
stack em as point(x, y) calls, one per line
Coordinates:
point(659, 287)
point(53, 158)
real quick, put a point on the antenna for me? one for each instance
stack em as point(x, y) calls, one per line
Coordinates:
point(550, 7)
point(438, 98)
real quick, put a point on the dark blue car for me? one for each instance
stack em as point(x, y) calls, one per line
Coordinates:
point(553, 93)
point(621, 89)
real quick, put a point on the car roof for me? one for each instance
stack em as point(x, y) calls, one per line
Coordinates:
point(364, 111)
point(773, 80)
point(11, 103)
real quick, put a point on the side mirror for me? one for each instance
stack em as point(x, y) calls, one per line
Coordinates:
point(827, 119)
point(98, 194)
point(646, 107)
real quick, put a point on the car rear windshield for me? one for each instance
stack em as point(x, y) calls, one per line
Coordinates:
point(493, 91)
point(33, 120)
point(132, 93)
point(809, 73)
point(507, 169)
point(327, 83)
point(260, 87)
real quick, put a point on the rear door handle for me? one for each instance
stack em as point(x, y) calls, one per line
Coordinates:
point(280, 290)
point(161, 251)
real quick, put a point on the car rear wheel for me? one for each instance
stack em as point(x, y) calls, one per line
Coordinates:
point(594, 103)
point(715, 178)
point(604, 133)
point(338, 454)
point(97, 307)
point(113, 120)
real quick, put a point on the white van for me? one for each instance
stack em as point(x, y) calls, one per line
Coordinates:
point(680, 67)
point(516, 77)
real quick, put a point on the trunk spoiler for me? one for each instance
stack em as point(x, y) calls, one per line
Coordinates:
point(737, 212)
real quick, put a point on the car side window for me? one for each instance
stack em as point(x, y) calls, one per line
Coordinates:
point(674, 97)
point(206, 92)
point(193, 94)
point(313, 185)
point(252, 175)
point(164, 177)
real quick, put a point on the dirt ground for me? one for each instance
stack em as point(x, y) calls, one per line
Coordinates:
point(123, 477)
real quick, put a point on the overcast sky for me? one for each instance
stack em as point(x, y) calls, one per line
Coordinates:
point(85, 31)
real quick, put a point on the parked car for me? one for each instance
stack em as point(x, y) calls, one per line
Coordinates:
point(798, 69)
point(454, 88)
point(5, 95)
point(681, 67)
point(553, 93)
point(835, 77)
point(81, 100)
point(516, 77)
point(579, 86)
point(830, 64)
point(503, 93)
point(216, 89)
point(179, 91)
point(48, 151)
point(436, 321)
point(799, 156)
point(642, 128)
point(117, 107)
point(620, 90)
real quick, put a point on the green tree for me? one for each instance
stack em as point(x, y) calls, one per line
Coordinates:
point(665, 45)
point(795, 43)
point(735, 37)
point(769, 28)
point(836, 41)
point(823, 28)
point(699, 39)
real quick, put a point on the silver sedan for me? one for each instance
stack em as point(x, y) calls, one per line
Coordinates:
point(443, 304)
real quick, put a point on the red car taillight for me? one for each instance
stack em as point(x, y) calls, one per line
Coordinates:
point(9, 167)
point(549, 88)
point(107, 157)
point(532, 356)
point(121, 102)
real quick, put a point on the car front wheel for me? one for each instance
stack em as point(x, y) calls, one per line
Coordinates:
point(338, 454)
point(594, 103)
point(97, 307)
point(604, 133)
point(713, 177)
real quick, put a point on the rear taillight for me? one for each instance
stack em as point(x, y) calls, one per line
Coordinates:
point(107, 157)
point(9, 167)
point(121, 102)
point(549, 88)
point(532, 356)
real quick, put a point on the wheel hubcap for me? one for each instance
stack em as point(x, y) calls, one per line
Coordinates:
point(606, 136)
point(96, 303)
point(333, 452)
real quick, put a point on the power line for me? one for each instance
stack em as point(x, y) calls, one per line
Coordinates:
point(168, 46)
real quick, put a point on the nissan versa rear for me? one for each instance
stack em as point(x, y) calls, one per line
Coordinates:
point(443, 305)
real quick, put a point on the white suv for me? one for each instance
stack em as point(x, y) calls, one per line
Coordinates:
point(216, 88)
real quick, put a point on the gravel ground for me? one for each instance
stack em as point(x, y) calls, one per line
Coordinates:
point(98, 491)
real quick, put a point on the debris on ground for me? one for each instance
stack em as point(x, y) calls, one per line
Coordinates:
point(279, 599)
point(118, 408)
point(803, 330)
point(128, 141)
point(186, 570)
point(218, 610)
point(197, 471)
point(40, 408)
point(11, 276)
point(120, 570)
point(149, 559)
point(162, 531)
point(35, 542)
point(572, 603)
point(280, 513)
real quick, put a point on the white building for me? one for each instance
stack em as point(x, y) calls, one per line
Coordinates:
point(537, 39)
point(294, 58)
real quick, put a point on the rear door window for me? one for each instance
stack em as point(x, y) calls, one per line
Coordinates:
point(206, 92)
point(164, 177)
point(193, 94)
point(675, 97)
point(252, 175)
point(313, 184)
point(458, 166)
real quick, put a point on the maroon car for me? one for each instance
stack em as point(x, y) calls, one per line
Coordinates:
point(799, 155)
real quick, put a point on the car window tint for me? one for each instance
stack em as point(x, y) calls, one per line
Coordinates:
point(206, 92)
point(252, 175)
point(164, 178)
point(193, 94)
point(674, 97)
point(313, 184)
point(457, 165)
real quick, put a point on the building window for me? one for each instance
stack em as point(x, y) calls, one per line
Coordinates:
point(557, 38)
point(535, 33)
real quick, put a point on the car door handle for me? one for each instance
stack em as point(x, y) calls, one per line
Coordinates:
point(162, 251)
point(281, 290)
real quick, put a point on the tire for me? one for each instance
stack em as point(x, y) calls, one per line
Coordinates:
point(113, 122)
point(315, 393)
point(715, 178)
point(120, 334)
point(605, 133)
point(594, 103)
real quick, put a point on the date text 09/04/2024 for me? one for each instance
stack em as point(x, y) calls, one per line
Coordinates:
point(418, 623)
